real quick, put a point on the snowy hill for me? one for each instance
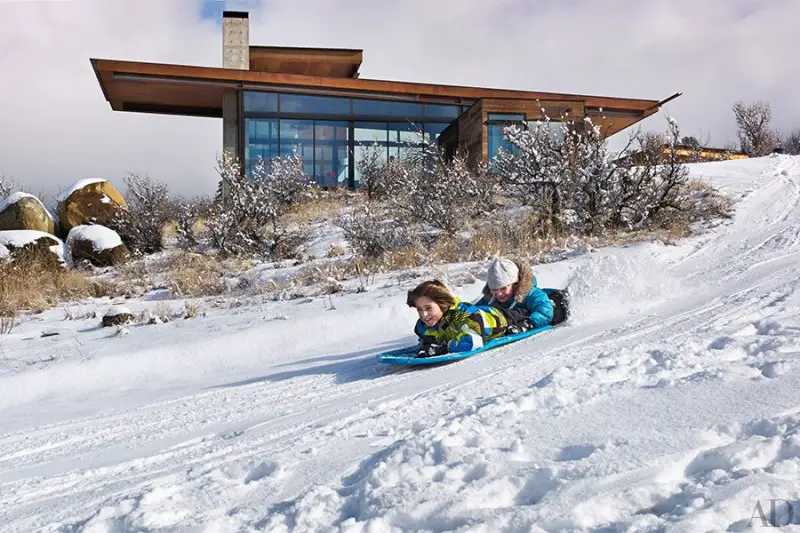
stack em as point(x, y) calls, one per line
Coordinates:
point(669, 402)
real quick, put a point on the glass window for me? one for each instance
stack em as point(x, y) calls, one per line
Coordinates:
point(263, 102)
point(262, 141)
point(297, 136)
point(301, 103)
point(442, 110)
point(403, 136)
point(497, 141)
point(366, 135)
point(386, 108)
point(370, 132)
point(508, 117)
point(432, 130)
point(554, 127)
point(330, 153)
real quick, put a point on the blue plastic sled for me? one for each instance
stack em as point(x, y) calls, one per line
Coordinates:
point(407, 356)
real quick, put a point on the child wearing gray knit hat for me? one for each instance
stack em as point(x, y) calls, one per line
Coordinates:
point(512, 288)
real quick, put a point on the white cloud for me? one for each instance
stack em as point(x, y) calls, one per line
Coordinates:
point(58, 127)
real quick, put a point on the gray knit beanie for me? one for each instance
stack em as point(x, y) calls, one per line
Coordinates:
point(502, 272)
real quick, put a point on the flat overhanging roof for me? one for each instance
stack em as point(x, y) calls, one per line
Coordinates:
point(328, 62)
point(197, 91)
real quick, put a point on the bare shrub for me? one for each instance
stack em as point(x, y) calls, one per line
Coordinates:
point(250, 219)
point(371, 233)
point(372, 169)
point(533, 170)
point(656, 185)
point(426, 188)
point(753, 129)
point(7, 185)
point(149, 208)
point(574, 183)
point(191, 215)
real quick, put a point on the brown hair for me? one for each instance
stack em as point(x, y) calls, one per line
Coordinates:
point(435, 290)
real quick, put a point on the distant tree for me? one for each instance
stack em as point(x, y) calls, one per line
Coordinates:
point(791, 143)
point(756, 138)
point(690, 142)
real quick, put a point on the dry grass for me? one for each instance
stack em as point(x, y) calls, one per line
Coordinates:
point(185, 273)
point(33, 281)
point(336, 249)
point(191, 274)
point(323, 205)
point(190, 310)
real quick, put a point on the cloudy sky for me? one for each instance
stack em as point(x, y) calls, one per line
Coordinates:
point(57, 127)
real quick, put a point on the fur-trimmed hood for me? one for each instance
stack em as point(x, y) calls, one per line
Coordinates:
point(526, 280)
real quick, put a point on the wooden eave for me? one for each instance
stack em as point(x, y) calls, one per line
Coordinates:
point(197, 91)
point(326, 62)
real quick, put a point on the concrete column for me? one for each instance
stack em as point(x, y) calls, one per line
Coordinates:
point(235, 55)
point(235, 40)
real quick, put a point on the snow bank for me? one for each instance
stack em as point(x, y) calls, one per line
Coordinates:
point(4, 253)
point(609, 284)
point(78, 185)
point(101, 237)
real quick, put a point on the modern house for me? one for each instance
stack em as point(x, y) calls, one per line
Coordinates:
point(278, 100)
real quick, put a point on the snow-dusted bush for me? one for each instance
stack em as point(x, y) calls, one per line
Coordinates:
point(191, 215)
point(756, 137)
point(575, 183)
point(250, 219)
point(370, 233)
point(424, 187)
point(532, 172)
point(656, 185)
point(372, 169)
point(149, 208)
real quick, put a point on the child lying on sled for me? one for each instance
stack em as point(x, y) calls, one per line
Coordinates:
point(446, 324)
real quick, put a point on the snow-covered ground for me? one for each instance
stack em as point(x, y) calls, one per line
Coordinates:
point(669, 402)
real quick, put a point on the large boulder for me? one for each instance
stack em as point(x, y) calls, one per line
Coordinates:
point(90, 201)
point(34, 245)
point(97, 244)
point(25, 211)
